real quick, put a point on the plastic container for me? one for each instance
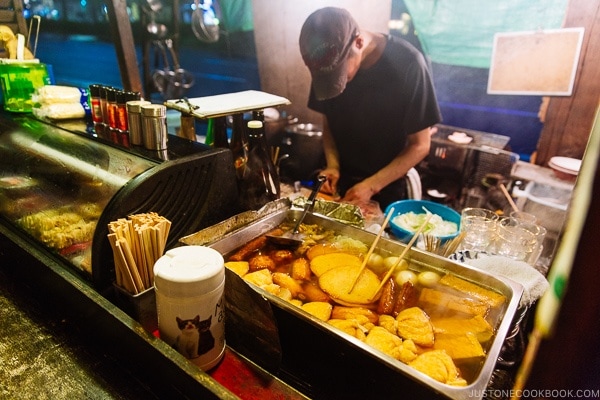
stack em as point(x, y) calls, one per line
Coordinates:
point(19, 81)
point(189, 283)
point(548, 203)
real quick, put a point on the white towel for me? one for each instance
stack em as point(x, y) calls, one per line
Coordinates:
point(534, 283)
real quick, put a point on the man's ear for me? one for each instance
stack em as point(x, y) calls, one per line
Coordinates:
point(359, 41)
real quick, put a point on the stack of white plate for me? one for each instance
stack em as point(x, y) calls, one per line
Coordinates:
point(565, 167)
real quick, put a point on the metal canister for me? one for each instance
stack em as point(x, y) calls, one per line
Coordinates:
point(154, 126)
point(189, 282)
point(134, 120)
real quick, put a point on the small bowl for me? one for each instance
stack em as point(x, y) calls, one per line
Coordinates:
point(416, 206)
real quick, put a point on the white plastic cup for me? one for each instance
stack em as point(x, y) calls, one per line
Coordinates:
point(189, 283)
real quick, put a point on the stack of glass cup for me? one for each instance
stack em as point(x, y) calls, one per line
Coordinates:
point(517, 236)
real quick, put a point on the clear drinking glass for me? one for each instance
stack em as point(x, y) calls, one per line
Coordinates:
point(523, 216)
point(540, 233)
point(479, 225)
point(514, 240)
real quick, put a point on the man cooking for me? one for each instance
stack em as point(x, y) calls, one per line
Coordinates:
point(378, 104)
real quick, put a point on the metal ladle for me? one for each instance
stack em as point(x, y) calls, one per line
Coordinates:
point(293, 238)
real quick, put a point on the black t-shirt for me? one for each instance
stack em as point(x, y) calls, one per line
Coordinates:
point(371, 119)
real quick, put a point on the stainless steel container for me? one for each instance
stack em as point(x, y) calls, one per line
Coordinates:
point(154, 124)
point(134, 120)
point(333, 363)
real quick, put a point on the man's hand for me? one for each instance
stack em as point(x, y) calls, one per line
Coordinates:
point(330, 185)
point(360, 193)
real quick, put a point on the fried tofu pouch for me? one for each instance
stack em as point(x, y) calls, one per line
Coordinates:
point(438, 365)
point(358, 327)
point(414, 324)
point(390, 344)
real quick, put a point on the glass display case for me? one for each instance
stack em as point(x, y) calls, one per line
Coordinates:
point(61, 187)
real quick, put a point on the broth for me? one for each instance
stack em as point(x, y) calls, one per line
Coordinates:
point(449, 302)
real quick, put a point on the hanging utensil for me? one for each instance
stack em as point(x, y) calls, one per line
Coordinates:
point(205, 24)
point(294, 239)
point(161, 77)
point(38, 20)
point(180, 80)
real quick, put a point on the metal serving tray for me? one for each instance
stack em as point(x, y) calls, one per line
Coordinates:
point(327, 363)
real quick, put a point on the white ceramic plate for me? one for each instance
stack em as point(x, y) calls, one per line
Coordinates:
point(565, 164)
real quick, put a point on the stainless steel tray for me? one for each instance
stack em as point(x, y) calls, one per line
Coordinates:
point(347, 354)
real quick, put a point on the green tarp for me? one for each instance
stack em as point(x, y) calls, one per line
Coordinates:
point(461, 32)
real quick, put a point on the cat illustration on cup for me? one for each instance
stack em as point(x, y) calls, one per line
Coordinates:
point(195, 338)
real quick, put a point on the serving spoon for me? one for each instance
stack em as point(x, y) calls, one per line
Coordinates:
point(294, 238)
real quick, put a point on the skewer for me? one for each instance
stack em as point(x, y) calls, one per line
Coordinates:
point(372, 248)
point(406, 249)
point(508, 197)
point(450, 247)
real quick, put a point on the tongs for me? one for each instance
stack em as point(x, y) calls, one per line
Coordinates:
point(294, 238)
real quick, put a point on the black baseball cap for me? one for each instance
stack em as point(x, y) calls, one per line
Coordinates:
point(325, 42)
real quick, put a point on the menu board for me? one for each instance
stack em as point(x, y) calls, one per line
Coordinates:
point(535, 63)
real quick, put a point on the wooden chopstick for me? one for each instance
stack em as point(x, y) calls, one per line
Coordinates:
point(372, 248)
point(401, 257)
point(137, 243)
point(508, 197)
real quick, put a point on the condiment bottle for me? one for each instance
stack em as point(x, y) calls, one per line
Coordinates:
point(104, 103)
point(210, 133)
point(121, 117)
point(95, 103)
point(111, 107)
point(111, 104)
point(260, 181)
point(134, 120)
point(258, 115)
point(239, 144)
point(220, 132)
point(189, 283)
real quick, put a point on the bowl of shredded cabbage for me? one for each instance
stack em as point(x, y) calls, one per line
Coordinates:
point(409, 215)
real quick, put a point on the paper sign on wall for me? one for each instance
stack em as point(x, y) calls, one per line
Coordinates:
point(535, 63)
